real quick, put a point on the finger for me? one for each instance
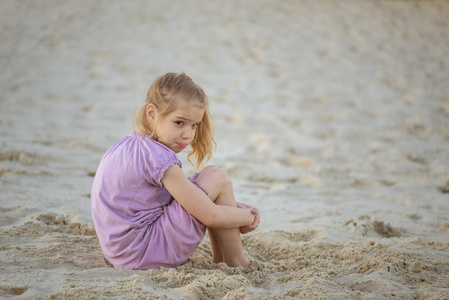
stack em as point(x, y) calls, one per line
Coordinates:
point(256, 221)
point(242, 205)
point(253, 226)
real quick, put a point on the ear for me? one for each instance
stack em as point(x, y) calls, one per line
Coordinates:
point(151, 113)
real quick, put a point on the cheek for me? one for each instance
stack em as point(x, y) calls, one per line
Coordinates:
point(172, 130)
point(195, 133)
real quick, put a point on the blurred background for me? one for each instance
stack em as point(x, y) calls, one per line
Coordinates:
point(332, 117)
point(315, 102)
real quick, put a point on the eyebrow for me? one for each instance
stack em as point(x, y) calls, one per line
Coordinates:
point(186, 119)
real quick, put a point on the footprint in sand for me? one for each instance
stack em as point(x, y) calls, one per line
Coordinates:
point(444, 189)
point(60, 223)
point(414, 217)
point(385, 230)
point(12, 290)
point(279, 244)
point(416, 159)
point(366, 226)
point(23, 157)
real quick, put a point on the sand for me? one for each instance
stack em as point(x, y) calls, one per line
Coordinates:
point(332, 118)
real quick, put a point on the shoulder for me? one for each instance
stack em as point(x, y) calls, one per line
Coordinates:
point(157, 151)
point(156, 157)
point(143, 144)
point(142, 151)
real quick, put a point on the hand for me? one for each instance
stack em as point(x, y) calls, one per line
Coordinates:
point(255, 224)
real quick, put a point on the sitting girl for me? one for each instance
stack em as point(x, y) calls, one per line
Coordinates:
point(147, 213)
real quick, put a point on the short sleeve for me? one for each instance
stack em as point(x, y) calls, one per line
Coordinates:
point(158, 158)
point(164, 168)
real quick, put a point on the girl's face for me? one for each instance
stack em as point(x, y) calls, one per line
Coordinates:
point(177, 129)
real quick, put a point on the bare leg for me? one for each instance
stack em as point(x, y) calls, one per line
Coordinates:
point(226, 243)
point(217, 255)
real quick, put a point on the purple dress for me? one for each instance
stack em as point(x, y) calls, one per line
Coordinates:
point(138, 223)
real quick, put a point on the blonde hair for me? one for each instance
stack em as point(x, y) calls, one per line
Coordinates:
point(164, 93)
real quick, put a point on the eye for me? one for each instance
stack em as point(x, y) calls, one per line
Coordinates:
point(180, 123)
point(195, 125)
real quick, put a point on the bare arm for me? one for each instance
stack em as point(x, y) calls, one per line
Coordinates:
point(200, 206)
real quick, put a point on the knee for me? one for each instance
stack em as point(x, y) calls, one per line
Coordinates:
point(217, 175)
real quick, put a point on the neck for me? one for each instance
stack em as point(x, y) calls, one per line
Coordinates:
point(142, 131)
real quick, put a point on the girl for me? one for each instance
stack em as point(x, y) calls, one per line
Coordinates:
point(147, 213)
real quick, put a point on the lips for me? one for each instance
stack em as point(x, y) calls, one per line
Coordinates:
point(181, 145)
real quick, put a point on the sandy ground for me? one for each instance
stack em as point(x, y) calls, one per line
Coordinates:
point(332, 118)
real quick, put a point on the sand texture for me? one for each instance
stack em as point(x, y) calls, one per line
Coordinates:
point(332, 118)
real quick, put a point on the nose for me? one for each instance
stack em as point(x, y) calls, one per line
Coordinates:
point(187, 133)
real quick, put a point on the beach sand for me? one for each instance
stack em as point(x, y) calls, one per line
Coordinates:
point(332, 118)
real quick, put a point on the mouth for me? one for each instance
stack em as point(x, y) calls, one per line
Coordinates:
point(182, 146)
